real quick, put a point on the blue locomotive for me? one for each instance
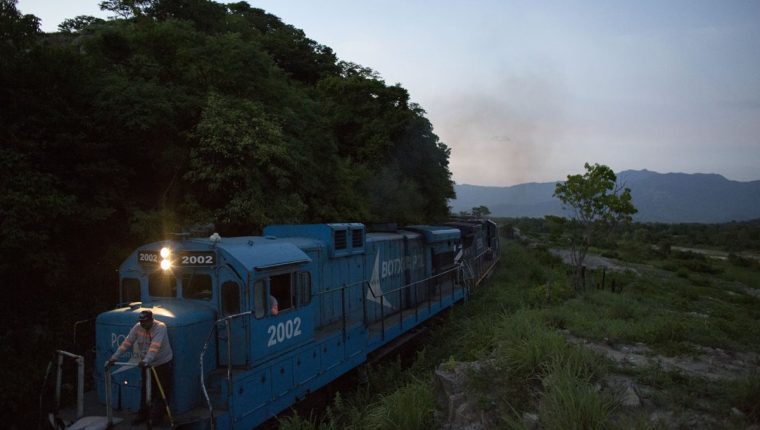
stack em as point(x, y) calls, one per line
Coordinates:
point(342, 294)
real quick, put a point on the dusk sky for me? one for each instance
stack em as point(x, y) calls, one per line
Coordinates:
point(527, 91)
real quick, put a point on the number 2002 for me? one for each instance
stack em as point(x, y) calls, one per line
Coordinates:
point(283, 331)
point(197, 259)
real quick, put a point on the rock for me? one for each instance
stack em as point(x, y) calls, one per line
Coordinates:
point(737, 412)
point(459, 412)
point(530, 421)
point(663, 417)
point(630, 398)
point(699, 315)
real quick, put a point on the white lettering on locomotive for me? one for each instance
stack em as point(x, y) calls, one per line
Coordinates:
point(116, 340)
point(283, 331)
point(396, 266)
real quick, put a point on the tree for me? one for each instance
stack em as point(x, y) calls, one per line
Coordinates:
point(77, 24)
point(125, 8)
point(481, 211)
point(175, 112)
point(598, 203)
point(241, 155)
point(16, 30)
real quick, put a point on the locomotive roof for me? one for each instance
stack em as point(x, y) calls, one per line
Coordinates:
point(256, 252)
point(253, 252)
point(466, 226)
point(388, 235)
point(435, 233)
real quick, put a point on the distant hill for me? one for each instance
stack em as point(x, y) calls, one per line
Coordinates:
point(659, 197)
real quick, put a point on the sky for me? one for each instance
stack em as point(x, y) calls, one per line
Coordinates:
point(528, 91)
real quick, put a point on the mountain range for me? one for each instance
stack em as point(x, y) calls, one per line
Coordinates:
point(659, 197)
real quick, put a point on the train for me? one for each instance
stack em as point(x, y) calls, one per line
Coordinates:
point(345, 292)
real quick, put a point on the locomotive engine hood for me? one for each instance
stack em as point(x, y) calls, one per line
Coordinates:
point(188, 326)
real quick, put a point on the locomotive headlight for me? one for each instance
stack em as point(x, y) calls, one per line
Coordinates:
point(166, 264)
point(165, 252)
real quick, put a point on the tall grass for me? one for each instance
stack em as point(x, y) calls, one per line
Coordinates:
point(571, 401)
point(745, 395)
point(408, 408)
point(388, 399)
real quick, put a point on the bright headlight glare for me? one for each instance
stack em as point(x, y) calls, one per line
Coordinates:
point(165, 252)
point(166, 264)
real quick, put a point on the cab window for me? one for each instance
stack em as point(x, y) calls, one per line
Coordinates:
point(259, 299)
point(281, 289)
point(162, 284)
point(230, 298)
point(196, 286)
point(304, 288)
point(130, 290)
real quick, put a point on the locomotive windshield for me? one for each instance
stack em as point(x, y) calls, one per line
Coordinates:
point(130, 290)
point(162, 284)
point(196, 286)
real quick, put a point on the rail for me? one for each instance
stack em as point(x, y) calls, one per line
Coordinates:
point(80, 380)
point(409, 286)
point(226, 320)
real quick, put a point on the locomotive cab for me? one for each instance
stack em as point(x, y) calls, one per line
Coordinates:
point(182, 283)
point(252, 294)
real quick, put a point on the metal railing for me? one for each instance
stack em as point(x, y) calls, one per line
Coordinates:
point(80, 380)
point(226, 321)
point(150, 373)
point(416, 302)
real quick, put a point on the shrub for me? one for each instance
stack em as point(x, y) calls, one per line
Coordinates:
point(745, 394)
point(529, 357)
point(701, 266)
point(740, 261)
point(409, 408)
point(688, 255)
point(549, 293)
point(572, 402)
point(296, 422)
point(662, 329)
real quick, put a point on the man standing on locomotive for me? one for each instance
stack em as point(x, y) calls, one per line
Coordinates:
point(154, 350)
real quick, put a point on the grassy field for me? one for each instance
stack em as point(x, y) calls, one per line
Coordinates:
point(546, 350)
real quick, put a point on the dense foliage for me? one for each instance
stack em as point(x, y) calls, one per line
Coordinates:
point(732, 237)
point(178, 112)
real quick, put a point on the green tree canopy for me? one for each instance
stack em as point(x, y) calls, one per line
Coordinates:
point(597, 203)
point(175, 112)
point(481, 211)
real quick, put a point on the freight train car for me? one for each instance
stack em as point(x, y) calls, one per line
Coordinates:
point(480, 245)
point(342, 294)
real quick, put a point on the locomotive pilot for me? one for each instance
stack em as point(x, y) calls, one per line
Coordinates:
point(154, 350)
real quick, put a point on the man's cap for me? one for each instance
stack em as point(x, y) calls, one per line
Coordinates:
point(146, 316)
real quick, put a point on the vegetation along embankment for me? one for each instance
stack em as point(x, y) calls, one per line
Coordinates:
point(675, 344)
point(119, 132)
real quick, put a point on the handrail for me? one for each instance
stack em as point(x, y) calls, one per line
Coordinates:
point(413, 283)
point(382, 294)
point(226, 320)
point(80, 380)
